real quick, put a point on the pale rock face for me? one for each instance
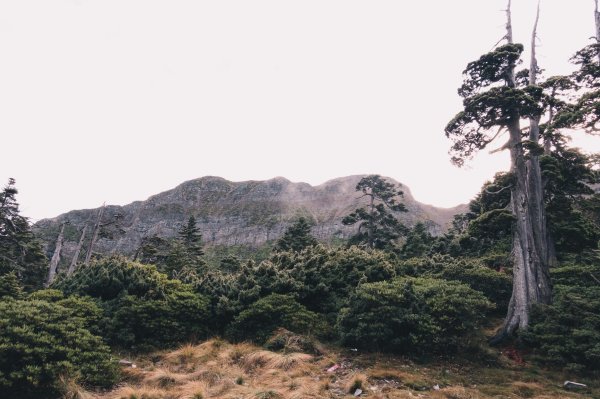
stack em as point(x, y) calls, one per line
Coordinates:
point(235, 213)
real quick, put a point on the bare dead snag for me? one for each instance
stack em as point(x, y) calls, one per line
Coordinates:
point(55, 257)
point(88, 255)
point(75, 259)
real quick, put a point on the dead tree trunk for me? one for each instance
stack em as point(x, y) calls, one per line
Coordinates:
point(73, 264)
point(88, 255)
point(597, 20)
point(55, 257)
point(542, 238)
point(531, 282)
point(371, 221)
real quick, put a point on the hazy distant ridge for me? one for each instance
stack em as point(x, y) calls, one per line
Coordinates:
point(236, 213)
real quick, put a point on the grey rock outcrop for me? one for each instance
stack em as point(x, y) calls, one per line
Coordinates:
point(246, 213)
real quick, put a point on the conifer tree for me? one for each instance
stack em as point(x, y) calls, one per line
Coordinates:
point(20, 251)
point(10, 287)
point(496, 99)
point(378, 228)
point(418, 242)
point(296, 237)
point(185, 258)
point(190, 237)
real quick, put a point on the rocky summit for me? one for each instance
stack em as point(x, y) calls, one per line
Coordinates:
point(248, 213)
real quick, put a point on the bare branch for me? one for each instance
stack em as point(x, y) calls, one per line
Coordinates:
point(504, 147)
point(509, 32)
point(533, 68)
point(499, 41)
point(594, 277)
point(497, 192)
point(597, 20)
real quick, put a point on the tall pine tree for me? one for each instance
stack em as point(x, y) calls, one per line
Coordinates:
point(296, 237)
point(496, 99)
point(378, 227)
point(20, 251)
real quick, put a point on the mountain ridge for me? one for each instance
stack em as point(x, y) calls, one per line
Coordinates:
point(248, 213)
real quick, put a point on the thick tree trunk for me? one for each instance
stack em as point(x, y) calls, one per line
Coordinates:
point(88, 255)
point(73, 264)
point(55, 257)
point(530, 252)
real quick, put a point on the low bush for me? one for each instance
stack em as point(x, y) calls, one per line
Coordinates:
point(43, 343)
point(496, 286)
point(412, 315)
point(266, 315)
point(142, 308)
point(567, 333)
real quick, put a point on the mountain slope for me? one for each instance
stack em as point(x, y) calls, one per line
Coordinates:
point(246, 213)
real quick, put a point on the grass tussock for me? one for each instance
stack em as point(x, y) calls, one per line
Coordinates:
point(218, 369)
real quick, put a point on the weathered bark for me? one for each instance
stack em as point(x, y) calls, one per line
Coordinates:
point(509, 32)
point(547, 138)
point(88, 255)
point(530, 252)
point(371, 213)
point(55, 257)
point(73, 264)
point(597, 20)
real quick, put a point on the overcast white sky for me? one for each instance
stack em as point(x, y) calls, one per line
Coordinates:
point(116, 100)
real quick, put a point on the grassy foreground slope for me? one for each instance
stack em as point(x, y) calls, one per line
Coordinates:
point(218, 369)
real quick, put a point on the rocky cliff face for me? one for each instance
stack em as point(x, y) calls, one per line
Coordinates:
point(233, 213)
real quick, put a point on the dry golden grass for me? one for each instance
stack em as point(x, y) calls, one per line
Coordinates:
point(527, 389)
point(217, 369)
point(456, 393)
point(130, 392)
point(164, 378)
point(355, 381)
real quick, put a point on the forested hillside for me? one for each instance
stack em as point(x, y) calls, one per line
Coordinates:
point(247, 215)
point(281, 290)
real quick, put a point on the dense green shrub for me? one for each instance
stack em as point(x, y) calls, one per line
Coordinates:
point(571, 274)
point(142, 307)
point(567, 333)
point(43, 342)
point(322, 277)
point(412, 315)
point(10, 287)
point(266, 315)
point(85, 308)
point(144, 324)
point(319, 278)
point(496, 286)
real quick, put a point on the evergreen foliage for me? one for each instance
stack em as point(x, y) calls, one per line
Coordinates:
point(140, 304)
point(412, 315)
point(378, 228)
point(495, 285)
point(42, 343)
point(191, 238)
point(266, 315)
point(296, 237)
point(10, 286)
point(567, 333)
point(20, 251)
point(418, 242)
point(319, 278)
